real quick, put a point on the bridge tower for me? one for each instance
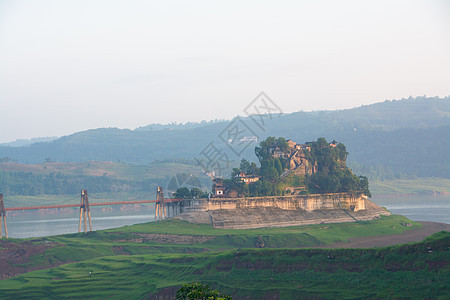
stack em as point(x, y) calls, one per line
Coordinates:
point(85, 212)
point(3, 216)
point(160, 208)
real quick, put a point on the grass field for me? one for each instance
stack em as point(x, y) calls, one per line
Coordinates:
point(124, 240)
point(175, 236)
point(406, 271)
point(158, 257)
point(323, 234)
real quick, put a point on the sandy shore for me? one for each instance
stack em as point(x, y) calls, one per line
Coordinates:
point(409, 236)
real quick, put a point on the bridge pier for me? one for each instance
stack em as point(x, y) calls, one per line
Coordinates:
point(174, 208)
point(164, 209)
point(85, 212)
point(160, 207)
point(3, 216)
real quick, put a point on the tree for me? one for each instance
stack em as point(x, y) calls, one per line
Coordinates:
point(282, 144)
point(245, 166)
point(333, 175)
point(364, 186)
point(254, 170)
point(235, 172)
point(342, 152)
point(263, 151)
point(278, 166)
point(322, 143)
point(198, 291)
point(196, 192)
point(182, 193)
point(265, 147)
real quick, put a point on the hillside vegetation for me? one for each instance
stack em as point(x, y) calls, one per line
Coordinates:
point(97, 177)
point(407, 138)
point(317, 167)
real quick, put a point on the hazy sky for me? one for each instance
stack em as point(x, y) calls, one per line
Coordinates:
point(67, 66)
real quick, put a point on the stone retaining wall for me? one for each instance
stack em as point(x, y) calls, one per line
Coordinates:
point(294, 202)
point(256, 212)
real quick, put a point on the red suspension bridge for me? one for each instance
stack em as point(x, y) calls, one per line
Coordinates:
point(163, 207)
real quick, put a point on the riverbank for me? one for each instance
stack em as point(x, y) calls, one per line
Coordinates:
point(412, 271)
point(175, 236)
point(410, 236)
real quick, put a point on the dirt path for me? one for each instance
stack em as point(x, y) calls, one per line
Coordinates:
point(15, 256)
point(409, 236)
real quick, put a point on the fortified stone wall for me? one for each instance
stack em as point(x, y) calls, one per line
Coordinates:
point(242, 213)
point(294, 202)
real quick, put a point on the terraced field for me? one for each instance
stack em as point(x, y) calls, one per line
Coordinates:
point(155, 259)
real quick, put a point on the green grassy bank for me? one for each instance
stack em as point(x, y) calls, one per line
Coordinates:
point(175, 236)
point(166, 240)
point(413, 271)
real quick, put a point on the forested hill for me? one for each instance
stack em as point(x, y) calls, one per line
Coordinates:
point(403, 137)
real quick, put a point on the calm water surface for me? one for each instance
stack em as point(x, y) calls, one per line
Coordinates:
point(53, 222)
point(418, 208)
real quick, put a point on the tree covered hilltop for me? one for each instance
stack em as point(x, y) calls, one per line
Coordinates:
point(288, 168)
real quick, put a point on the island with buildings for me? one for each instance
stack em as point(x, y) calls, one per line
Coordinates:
point(294, 184)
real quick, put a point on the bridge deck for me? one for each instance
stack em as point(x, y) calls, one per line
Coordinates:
point(90, 204)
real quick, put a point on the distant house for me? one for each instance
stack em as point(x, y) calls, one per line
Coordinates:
point(294, 145)
point(291, 143)
point(210, 174)
point(218, 189)
point(248, 178)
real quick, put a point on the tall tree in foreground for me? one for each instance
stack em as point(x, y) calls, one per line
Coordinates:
point(198, 291)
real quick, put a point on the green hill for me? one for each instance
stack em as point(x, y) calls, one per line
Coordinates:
point(96, 177)
point(408, 137)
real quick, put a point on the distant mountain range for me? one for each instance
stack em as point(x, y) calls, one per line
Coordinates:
point(408, 137)
point(27, 142)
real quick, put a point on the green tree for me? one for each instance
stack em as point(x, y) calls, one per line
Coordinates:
point(198, 291)
point(182, 193)
point(196, 192)
point(235, 172)
point(364, 186)
point(332, 174)
point(263, 151)
point(278, 166)
point(342, 152)
point(245, 166)
point(282, 144)
point(254, 170)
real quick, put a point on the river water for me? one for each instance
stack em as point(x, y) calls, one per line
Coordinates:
point(418, 207)
point(52, 222)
